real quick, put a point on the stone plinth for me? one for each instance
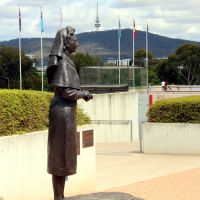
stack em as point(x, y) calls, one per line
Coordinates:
point(103, 196)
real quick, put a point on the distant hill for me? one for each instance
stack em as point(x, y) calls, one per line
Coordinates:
point(105, 44)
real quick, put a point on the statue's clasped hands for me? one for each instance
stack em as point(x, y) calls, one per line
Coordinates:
point(87, 95)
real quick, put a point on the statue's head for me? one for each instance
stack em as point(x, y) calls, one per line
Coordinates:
point(65, 41)
point(70, 40)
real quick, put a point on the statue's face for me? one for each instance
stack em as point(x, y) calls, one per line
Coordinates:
point(73, 44)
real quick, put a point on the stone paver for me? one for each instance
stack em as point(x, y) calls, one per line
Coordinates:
point(179, 186)
point(121, 164)
point(121, 168)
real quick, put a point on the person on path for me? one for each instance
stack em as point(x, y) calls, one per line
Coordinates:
point(163, 86)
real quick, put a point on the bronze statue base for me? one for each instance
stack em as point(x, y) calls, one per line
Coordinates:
point(104, 196)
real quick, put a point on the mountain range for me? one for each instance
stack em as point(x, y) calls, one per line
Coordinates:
point(105, 44)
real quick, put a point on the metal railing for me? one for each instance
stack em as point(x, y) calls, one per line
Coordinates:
point(123, 122)
point(176, 88)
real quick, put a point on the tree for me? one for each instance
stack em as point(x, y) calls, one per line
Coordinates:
point(188, 61)
point(182, 67)
point(140, 56)
point(9, 67)
point(84, 60)
point(167, 71)
point(153, 77)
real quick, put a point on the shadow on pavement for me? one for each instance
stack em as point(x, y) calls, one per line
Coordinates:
point(104, 196)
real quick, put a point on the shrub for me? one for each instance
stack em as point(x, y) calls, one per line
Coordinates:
point(182, 110)
point(26, 111)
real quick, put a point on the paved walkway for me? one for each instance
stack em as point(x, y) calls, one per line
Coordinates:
point(179, 186)
point(121, 168)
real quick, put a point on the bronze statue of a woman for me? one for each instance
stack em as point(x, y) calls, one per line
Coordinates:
point(62, 76)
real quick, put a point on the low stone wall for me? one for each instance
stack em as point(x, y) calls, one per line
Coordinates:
point(23, 168)
point(171, 138)
point(121, 106)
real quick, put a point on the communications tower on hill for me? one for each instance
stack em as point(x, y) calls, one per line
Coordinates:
point(97, 21)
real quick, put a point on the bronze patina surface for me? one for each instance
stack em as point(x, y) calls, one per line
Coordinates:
point(62, 76)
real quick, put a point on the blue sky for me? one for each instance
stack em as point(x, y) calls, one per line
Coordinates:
point(171, 18)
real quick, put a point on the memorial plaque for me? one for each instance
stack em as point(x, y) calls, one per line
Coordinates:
point(78, 143)
point(88, 138)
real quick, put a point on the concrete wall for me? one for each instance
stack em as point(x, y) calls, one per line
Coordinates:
point(171, 138)
point(23, 163)
point(129, 105)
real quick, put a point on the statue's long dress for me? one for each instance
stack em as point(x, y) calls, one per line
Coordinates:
point(62, 137)
point(62, 157)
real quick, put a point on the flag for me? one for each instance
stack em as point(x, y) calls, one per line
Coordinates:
point(134, 30)
point(147, 28)
point(42, 23)
point(20, 22)
point(119, 30)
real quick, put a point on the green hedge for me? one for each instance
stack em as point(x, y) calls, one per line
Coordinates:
point(182, 110)
point(25, 111)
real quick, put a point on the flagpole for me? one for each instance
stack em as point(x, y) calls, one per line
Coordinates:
point(42, 66)
point(20, 60)
point(119, 60)
point(60, 18)
point(133, 64)
point(42, 62)
point(119, 37)
point(147, 68)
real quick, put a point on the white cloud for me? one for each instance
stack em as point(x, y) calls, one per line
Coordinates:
point(165, 4)
point(172, 18)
